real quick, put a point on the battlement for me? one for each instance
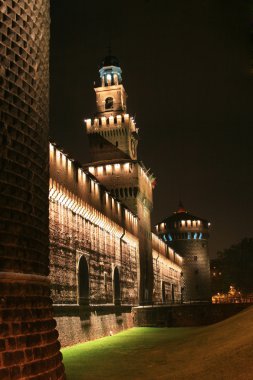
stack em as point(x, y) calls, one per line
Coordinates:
point(135, 180)
point(167, 252)
point(183, 225)
point(74, 186)
point(103, 123)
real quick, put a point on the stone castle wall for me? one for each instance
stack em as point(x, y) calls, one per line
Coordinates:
point(78, 228)
point(28, 339)
point(167, 269)
point(90, 227)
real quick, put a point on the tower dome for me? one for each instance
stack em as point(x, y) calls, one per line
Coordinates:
point(188, 235)
point(110, 60)
point(110, 71)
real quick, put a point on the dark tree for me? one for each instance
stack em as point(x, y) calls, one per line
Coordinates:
point(236, 267)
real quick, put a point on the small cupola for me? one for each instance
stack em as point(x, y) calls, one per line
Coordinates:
point(110, 71)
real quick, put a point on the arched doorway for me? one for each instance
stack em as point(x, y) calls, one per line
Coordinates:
point(173, 293)
point(163, 292)
point(83, 282)
point(116, 286)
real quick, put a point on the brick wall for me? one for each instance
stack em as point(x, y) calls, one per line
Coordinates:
point(28, 339)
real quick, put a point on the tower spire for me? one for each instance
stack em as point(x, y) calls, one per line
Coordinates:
point(181, 207)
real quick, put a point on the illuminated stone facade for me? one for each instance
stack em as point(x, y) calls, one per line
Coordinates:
point(113, 140)
point(95, 257)
point(188, 234)
point(28, 339)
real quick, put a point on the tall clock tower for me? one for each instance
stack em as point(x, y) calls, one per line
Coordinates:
point(113, 139)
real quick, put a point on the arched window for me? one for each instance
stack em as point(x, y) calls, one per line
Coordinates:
point(108, 103)
point(83, 282)
point(116, 286)
point(163, 292)
point(172, 293)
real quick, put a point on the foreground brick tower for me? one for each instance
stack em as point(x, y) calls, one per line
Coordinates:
point(188, 234)
point(113, 138)
point(28, 340)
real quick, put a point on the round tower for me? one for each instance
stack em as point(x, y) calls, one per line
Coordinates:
point(188, 235)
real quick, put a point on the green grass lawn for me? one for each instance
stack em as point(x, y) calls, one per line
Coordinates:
point(221, 351)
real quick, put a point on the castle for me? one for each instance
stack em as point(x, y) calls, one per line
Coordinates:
point(104, 258)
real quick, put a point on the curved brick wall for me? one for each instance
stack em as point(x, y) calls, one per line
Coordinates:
point(28, 340)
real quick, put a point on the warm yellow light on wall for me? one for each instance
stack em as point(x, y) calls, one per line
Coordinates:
point(100, 170)
point(117, 167)
point(88, 123)
point(108, 169)
point(92, 170)
point(126, 167)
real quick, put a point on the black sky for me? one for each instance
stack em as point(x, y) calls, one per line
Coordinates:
point(186, 69)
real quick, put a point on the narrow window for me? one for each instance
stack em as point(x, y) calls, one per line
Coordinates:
point(108, 103)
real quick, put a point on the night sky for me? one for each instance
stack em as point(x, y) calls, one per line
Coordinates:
point(186, 69)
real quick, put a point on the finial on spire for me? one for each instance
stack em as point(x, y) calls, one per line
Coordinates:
point(181, 207)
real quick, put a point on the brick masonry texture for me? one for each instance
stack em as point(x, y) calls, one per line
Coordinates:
point(29, 346)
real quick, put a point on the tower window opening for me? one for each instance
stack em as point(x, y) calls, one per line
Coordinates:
point(189, 236)
point(115, 78)
point(121, 192)
point(130, 191)
point(126, 192)
point(117, 144)
point(108, 79)
point(195, 258)
point(200, 235)
point(170, 237)
point(108, 103)
point(195, 236)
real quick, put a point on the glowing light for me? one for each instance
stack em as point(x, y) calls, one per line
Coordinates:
point(88, 123)
point(117, 167)
point(119, 119)
point(100, 170)
point(183, 223)
point(108, 169)
point(92, 169)
point(126, 167)
point(188, 223)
